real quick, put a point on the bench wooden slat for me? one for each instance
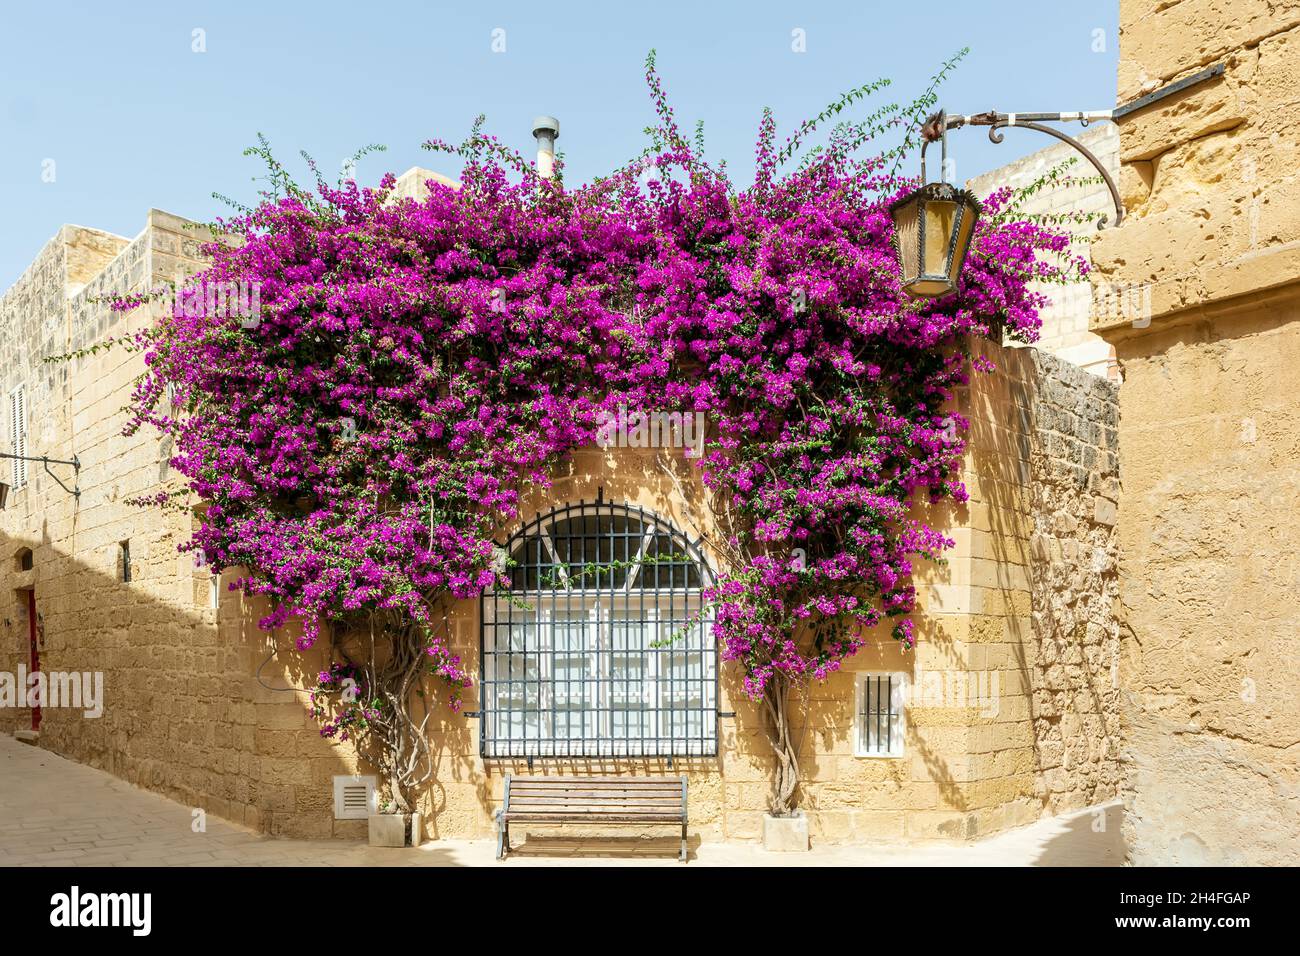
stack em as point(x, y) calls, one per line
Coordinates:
point(593, 787)
point(592, 800)
point(611, 793)
point(584, 814)
point(608, 796)
point(601, 784)
point(585, 782)
point(516, 801)
point(601, 796)
point(610, 818)
point(577, 809)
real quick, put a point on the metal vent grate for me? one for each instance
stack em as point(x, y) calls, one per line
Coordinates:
point(18, 435)
point(354, 797)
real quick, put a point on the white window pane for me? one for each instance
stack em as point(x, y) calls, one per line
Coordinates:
point(573, 684)
point(630, 630)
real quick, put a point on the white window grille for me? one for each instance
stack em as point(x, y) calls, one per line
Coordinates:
point(880, 720)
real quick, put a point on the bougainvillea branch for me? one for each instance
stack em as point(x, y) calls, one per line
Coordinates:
point(418, 365)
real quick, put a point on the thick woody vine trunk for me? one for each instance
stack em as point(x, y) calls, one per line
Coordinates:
point(776, 706)
point(398, 746)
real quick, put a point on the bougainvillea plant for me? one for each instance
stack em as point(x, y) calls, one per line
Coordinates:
point(416, 366)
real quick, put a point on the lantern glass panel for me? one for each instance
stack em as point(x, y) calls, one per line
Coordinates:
point(940, 217)
point(907, 224)
point(962, 244)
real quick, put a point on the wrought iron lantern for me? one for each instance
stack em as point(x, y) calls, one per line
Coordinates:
point(934, 225)
point(4, 495)
point(932, 232)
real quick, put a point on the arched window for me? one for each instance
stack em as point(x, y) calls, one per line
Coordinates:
point(601, 646)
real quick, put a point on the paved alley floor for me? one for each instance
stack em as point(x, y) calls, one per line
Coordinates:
point(54, 812)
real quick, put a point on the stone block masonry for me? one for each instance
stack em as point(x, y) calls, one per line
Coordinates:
point(1074, 585)
point(1011, 714)
point(1035, 574)
point(1208, 518)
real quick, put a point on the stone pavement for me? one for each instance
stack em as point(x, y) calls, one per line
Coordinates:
point(54, 812)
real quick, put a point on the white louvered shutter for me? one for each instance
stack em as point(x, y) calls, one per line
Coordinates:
point(18, 434)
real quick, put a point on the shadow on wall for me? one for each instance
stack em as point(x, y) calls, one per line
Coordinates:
point(196, 704)
point(1048, 470)
point(201, 707)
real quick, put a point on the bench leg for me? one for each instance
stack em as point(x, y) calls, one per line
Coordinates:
point(503, 838)
point(682, 858)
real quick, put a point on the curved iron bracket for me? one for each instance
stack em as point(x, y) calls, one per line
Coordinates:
point(936, 128)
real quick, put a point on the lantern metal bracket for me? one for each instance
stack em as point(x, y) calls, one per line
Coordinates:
point(937, 125)
point(46, 460)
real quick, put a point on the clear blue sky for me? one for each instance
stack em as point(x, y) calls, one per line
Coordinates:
point(132, 117)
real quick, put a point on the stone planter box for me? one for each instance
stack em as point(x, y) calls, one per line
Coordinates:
point(396, 829)
point(785, 834)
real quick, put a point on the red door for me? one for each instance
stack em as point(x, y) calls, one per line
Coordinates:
point(36, 651)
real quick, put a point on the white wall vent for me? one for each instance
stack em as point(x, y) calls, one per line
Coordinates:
point(354, 797)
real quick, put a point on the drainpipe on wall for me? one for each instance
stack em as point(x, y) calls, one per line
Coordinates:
point(546, 130)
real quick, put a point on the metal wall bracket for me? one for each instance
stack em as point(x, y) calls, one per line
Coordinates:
point(937, 126)
point(1141, 102)
point(46, 460)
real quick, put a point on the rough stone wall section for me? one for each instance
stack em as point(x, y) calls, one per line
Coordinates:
point(1075, 585)
point(185, 712)
point(1208, 520)
point(1065, 329)
point(1026, 601)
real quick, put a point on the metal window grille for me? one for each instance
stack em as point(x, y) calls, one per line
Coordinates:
point(880, 714)
point(601, 646)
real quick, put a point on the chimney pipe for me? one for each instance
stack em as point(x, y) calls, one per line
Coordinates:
point(546, 130)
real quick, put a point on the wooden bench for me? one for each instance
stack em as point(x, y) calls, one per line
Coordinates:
point(595, 801)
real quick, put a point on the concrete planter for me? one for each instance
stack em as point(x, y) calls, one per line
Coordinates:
point(396, 829)
point(785, 834)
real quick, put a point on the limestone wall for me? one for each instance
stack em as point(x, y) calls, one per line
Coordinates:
point(1074, 585)
point(1208, 516)
point(185, 714)
point(203, 707)
point(1033, 580)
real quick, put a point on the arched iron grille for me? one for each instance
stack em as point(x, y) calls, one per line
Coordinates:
point(601, 646)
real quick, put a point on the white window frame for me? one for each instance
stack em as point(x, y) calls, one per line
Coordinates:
point(18, 436)
point(897, 725)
